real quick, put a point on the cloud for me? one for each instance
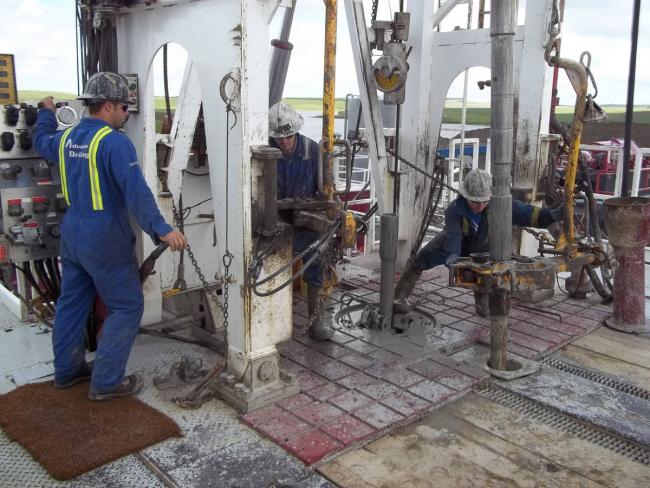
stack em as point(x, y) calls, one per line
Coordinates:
point(41, 34)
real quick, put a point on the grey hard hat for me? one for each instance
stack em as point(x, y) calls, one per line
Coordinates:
point(284, 121)
point(477, 186)
point(106, 87)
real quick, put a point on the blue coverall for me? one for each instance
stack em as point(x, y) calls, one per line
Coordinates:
point(298, 177)
point(466, 232)
point(97, 244)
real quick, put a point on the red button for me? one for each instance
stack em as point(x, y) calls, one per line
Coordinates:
point(15, 201)
point(39, 199)
point(31, 224)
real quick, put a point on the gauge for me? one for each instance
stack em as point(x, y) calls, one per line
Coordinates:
point(66, 116)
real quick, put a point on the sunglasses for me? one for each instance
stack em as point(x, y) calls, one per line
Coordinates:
point(124, 106)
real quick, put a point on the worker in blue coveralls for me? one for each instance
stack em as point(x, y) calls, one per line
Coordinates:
point(298, 178)
point(102, 183)
point(465, 232)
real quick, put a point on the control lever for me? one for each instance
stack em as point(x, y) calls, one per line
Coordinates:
point(148, 264)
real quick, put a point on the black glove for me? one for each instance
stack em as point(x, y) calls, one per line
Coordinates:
point(557, 214)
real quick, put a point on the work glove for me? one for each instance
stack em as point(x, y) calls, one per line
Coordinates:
point(451, 260)
point(557, 214)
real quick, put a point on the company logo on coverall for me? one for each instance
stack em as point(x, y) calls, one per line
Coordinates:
point(74, 154)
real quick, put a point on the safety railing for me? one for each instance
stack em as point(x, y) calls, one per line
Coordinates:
point(608, 178)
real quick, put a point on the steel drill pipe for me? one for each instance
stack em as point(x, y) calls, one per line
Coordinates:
point(388, 255)
point(628, 228)
point(329, 77)
point(502, 32)
point(266, 158)
point(280, 59)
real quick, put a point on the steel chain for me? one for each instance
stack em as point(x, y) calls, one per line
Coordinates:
point(373, 13)
point(195, 263)
point(227, 256)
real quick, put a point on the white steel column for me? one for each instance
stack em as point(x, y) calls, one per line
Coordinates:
point(416, 143)
point(238, 49)
point(534, 102)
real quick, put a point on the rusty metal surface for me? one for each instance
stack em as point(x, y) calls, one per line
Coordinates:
point(577, 74)
point(348, 230)
point(506, 275)
point(329, 78)
point(628, 228)
point(304, 204)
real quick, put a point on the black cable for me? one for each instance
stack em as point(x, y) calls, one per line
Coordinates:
point(49, 280)
point(51, 265)
point(396, 167)
point(32, 282)
point(166, 84)
point(317, 254)
point(76, 40)
point(197, 204)
point(629, 109)
point(355, 148)
point(44, 279)
point(311, 248)
point(430, 211)
point(197, 174)
point(57, 269)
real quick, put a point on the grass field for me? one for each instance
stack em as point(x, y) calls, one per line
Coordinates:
point(477, 113)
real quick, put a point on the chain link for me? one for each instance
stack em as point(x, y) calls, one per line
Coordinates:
point(195, 264)
point(373, 14)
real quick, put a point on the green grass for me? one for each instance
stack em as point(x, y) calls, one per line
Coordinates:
point(478, 113)
point(38, 95)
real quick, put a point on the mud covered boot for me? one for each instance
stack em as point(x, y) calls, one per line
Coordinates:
point(404, 288)
point(131, 385)
point(321, 327)
point(482, 304)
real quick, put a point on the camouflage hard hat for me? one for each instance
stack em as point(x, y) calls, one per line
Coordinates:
point(284, 121)
point(477, 186)
point(106, 87)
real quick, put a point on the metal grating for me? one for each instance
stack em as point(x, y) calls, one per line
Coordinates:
point(602, 379)
point(566, 423)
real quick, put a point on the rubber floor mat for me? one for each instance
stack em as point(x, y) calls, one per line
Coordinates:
point(70, 435)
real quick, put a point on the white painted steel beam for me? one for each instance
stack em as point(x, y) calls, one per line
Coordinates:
point(534, 102)
point(239, 48)
point(369, 104)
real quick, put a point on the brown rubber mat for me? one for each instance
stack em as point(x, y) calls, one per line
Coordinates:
point(70, 435)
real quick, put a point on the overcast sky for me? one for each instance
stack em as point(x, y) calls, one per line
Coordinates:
point(41, 34)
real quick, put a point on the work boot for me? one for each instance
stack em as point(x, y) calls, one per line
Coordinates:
point(482, 304)
point(83, 375)
point(405, 285)
point(130, 385)
point(321, 327)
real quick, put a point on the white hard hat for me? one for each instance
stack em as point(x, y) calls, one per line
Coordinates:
point(477, 186)
point(284, 121)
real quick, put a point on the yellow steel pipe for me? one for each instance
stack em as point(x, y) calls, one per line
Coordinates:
point(329, 77)
point(578, 75)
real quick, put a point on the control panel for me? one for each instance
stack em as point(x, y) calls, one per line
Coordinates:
point(31, 203)
point(18, 121)
point(32, 208)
